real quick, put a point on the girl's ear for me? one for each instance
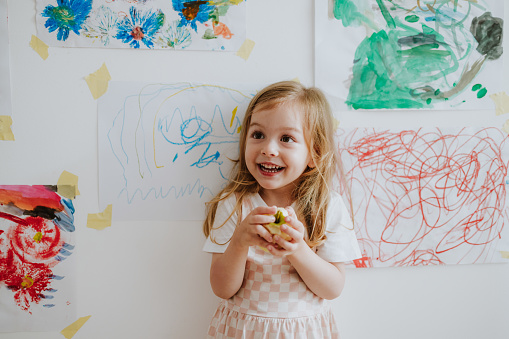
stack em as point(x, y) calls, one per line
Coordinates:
point(311, 163)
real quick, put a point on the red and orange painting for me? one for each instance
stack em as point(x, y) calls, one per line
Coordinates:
point(36, 238)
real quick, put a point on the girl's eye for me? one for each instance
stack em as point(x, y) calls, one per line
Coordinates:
point(257, 135)
point(286, 138)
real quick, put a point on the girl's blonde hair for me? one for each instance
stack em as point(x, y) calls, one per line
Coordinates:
point(312, 193)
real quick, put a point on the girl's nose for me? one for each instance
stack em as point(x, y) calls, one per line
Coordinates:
point(269, 149)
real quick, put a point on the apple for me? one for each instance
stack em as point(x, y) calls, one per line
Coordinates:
point(275, 227)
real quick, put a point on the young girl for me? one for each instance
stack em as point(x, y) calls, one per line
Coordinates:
point(271, 287)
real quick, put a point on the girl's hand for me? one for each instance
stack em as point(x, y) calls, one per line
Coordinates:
point(296, 230)
point(251, 232)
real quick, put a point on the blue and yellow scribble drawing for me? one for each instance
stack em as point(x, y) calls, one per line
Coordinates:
point(172, 142)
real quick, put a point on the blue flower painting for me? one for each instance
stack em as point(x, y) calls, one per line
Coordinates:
point(140, 27)
point(191, 11)
point(68, 16)
point(216, 25)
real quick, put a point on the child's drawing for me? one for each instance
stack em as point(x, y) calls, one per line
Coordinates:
point(407, 54)
point(176, 24)
point(166, 149)
point(36, 242)
point(428, 197)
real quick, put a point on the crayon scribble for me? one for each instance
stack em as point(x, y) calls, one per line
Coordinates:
point(174, 142)
point(427, 197)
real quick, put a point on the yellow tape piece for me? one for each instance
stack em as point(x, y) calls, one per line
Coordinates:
point(505, 128)
point(504, 254)
point(71, 330)
point(98, 81)
point(67, 185)
point(40, 47)
point(245, 50)
point(501, 101)
point(100, 221)
point(5, 128)
point(336, 123)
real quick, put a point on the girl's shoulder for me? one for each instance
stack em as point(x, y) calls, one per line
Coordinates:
point(337, 213)
point(228, 203)
point(341, 244)
point(335, 196)
point(336, 200)
point(232, 197)
point(227, 198)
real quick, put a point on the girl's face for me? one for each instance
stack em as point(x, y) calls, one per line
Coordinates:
point(277, 152)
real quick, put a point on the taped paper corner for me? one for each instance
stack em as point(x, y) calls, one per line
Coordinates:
point(100, 221)
point(501, 101)
point(505, 128)
point(98, 81)
point(245, 50)
point(67, 185)
point(5, 128)
point(71, 330)
point(40, 47)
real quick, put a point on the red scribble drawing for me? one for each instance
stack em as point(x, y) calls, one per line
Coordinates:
point(426, 197)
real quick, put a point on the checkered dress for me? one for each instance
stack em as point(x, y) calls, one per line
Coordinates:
point(273, 301)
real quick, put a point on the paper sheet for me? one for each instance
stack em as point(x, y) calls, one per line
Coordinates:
point(428, 196)
point(37, 284)
point(157, 24)
point(164, 148)
point(380, 54)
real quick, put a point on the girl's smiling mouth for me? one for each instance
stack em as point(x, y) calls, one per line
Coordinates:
point(270, 168)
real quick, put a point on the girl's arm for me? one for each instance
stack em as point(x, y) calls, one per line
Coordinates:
point(227, 269)
point(325, 279)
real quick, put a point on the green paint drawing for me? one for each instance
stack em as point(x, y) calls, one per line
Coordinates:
point(417, 56)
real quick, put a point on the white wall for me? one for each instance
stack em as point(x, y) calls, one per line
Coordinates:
point(150, 280)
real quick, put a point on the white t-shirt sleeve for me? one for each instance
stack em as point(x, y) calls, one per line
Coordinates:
point(223, 234)
point(341, 244)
